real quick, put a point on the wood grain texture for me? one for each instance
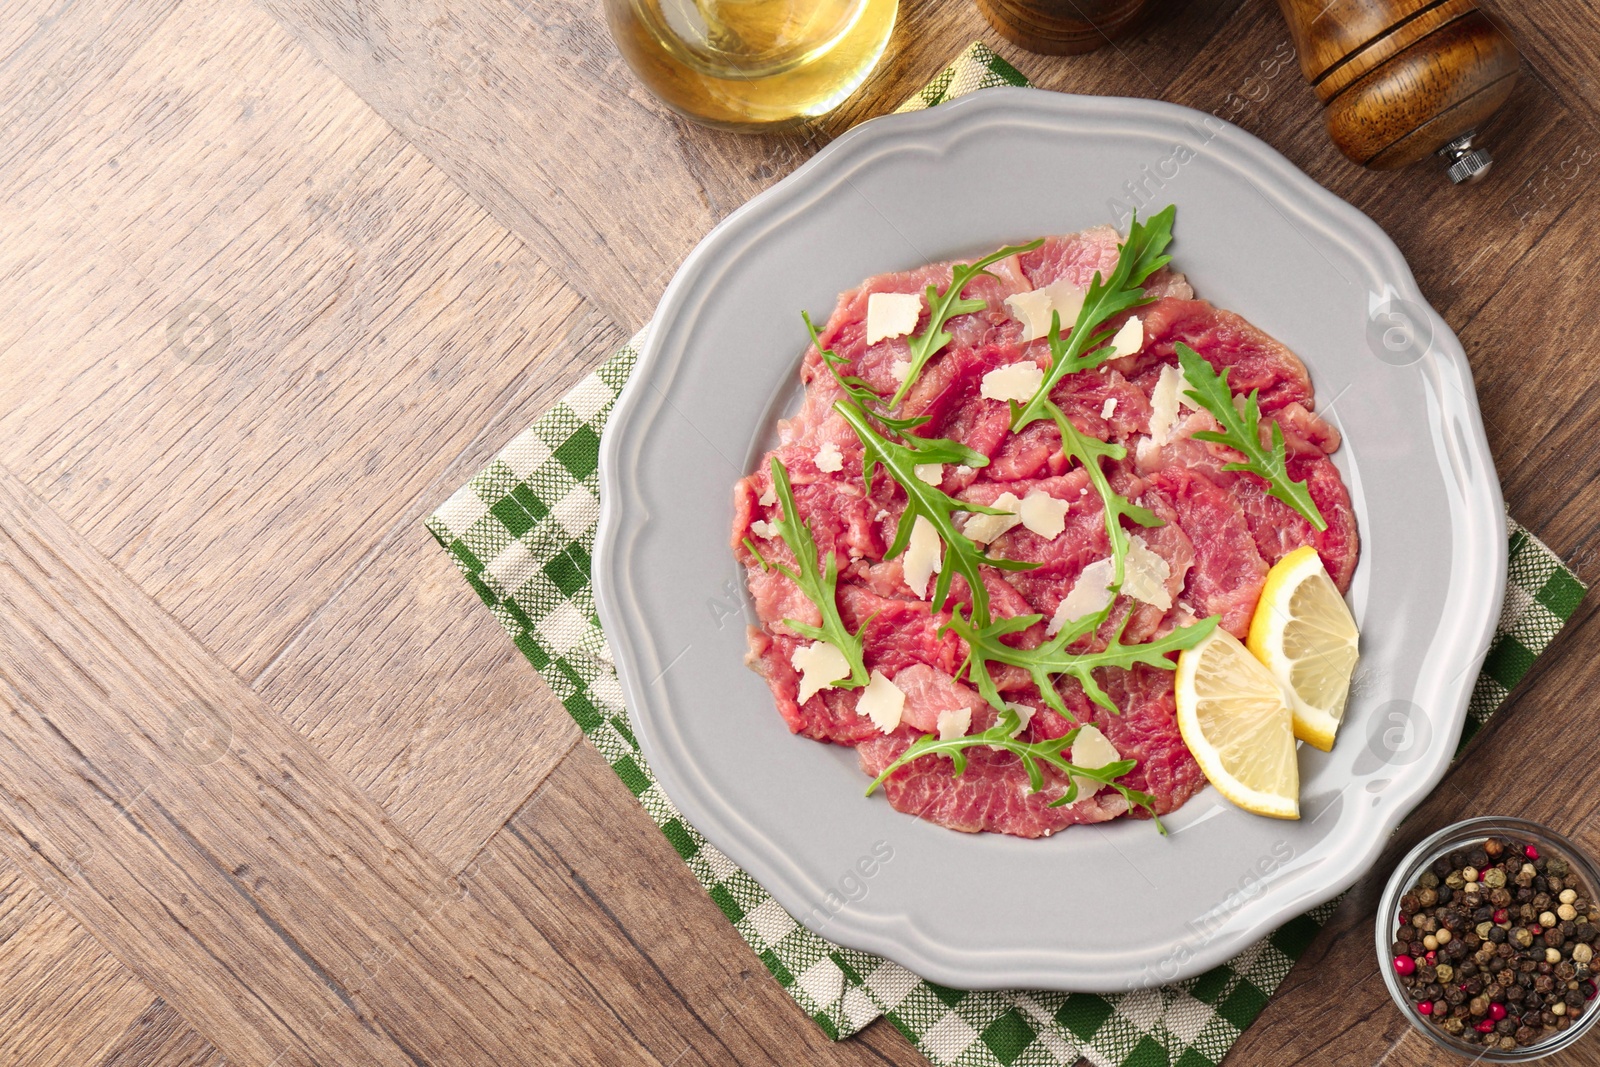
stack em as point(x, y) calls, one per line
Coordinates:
point(529, 107)
point(353, 278)
point(375, 324)
point(160, 1037)
point(407, 684)
point(251, 886)
point(1567, 61)
point(65, 998)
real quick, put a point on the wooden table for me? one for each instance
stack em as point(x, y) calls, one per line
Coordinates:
point(274, 280)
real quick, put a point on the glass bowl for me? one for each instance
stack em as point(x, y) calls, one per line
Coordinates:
point(1463, 835)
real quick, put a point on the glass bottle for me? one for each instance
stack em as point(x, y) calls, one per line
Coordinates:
point(751, 64)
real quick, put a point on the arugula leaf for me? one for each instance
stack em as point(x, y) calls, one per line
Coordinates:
point(961, 555)
point(1033, 755)
point(1051, 659)
point(819, 585)
point(1089, 451)
point(1241, 431)
point(944, 306)
point(1141, 255)
point(858, 390)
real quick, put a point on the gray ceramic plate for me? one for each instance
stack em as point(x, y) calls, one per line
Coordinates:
point(1096, 908)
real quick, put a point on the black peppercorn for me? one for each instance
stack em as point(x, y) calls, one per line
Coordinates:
point(1534, 962)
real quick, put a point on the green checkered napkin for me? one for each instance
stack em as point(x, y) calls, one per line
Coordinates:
point(521, 532)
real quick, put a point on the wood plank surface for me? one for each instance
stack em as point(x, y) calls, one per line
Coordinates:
point(373, 325)
point(160, 1037)
point(262, 895)
point(275, 280)
point(65, 998)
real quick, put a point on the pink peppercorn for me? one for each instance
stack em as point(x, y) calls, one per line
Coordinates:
point(1497, 1012)
point(1501, 915)
point(1432, 955)
point(1531, 852)
point(1404, 965)
point(1426, 1007)
point(1484, 1026)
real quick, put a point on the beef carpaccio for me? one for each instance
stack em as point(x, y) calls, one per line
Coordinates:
point(1220, 531)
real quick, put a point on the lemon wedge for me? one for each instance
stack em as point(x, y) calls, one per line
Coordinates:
point(1304, 634)
point(1236, 720)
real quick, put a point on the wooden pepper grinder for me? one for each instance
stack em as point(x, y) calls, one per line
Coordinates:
point(1402, 79)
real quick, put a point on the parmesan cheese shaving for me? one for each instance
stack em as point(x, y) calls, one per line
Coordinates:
point(1090, 593)
point(954, 723)
point(1167, 400)
point(932, 473)
point(1145, 574)
point(1044, 514)
point(922, 556)
point(1015, 381)
point(1091, 751)
point(1033, 309)
point(900, 369)
point(982, 529)
point(1129, 339)
point(829, 458)
point(820, 665)
point(882, 702)
point(1109, 408)
point(764, 529)
point(769, 498)
point(1024, 715)
point(891, 315)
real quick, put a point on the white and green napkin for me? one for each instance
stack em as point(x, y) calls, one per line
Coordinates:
point(521, 532)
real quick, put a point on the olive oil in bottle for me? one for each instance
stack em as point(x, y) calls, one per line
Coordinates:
point(751, 64)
